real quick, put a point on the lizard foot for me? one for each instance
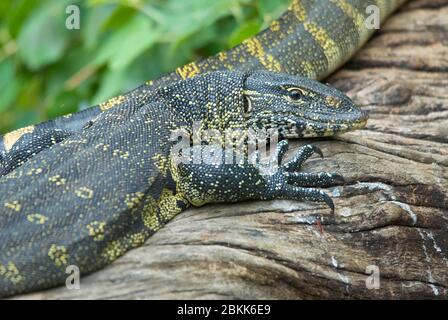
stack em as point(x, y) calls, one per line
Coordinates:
point(287, 183)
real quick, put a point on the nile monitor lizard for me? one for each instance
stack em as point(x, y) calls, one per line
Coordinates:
point(110, 184)
point(312, 39)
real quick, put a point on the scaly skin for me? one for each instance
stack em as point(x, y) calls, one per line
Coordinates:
point(106, 189)
point(312, 38)
point(111, 183)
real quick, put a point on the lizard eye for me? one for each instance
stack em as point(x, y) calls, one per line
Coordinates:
point(295, 93)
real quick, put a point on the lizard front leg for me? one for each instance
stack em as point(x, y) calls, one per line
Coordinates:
point(213, 183)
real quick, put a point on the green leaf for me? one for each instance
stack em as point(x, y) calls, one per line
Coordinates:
point(63, 103)
point(243, 32)
point(44, 37)
point(111, 85)
point(25, 119)
point(30, 95)
point(180, 14)
point(91, 30)
point(272, 9)
point(5, 9)
point(125, 44)
point(8, 83)
point(57, 76)
point(119, 17)
point(16, 14)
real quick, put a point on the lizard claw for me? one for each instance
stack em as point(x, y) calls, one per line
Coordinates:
point(287, 183)
point(301, 156)
point(309, 194)
point(319, 179)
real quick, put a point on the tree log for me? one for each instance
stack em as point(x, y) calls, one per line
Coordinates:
point(392, 212)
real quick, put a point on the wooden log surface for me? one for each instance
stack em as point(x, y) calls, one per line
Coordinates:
point(392, 211)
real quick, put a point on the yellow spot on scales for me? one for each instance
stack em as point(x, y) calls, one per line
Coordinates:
point(96, 230)
point(298, 10)
point(14, 205)
point(37, 218)
point(120, 153)
point(156, 213)
point(308, 69)
point(149, 215)
point(11, 273)
point(330, 48)
point(103, 146)
point(357, 18)
point(11, 138)
point(57, 180)
point(188, 70)
point(275, 26)
point(222, 56)
point(161, 162)
point(132, 200)
point(168, 204)
point(33, 171)
point(137, 239)
point(84, 193)
point(117, 248)
point(111, 103)
point(255, 49)
point(58, 254)
point(113, 250)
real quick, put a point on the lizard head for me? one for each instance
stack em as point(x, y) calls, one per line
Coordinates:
point(298, 107)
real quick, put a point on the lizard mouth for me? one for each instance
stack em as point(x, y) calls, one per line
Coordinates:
point(312, 126)
point(329, 124)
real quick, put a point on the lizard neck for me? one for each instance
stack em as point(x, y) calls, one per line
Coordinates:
point(212, 101)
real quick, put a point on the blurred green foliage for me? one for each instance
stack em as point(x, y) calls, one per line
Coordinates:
point(47, 70)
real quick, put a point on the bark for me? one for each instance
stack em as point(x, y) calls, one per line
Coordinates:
point(392, 212)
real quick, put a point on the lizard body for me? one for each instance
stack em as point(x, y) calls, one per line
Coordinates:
point(99, 188)
point(106, 189)
point(312, 39)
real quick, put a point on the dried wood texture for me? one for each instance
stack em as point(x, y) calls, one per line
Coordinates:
point(392, 212)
